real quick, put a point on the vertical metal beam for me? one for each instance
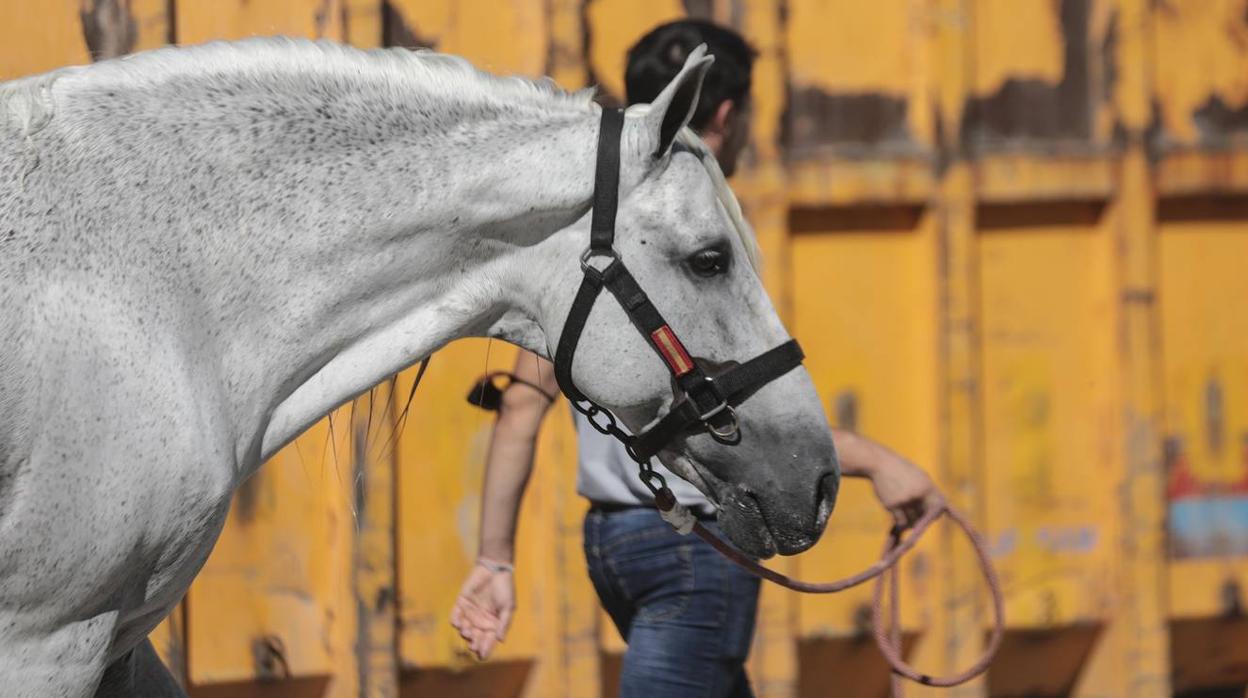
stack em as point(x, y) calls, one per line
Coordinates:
point(761, 186)
point(374, 569)
point(961, 454)
point(374, 483)
point(579, 611)
point(566, 60)
point(1139, 627)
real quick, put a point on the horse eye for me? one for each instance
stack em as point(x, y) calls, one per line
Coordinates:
point(709, 262)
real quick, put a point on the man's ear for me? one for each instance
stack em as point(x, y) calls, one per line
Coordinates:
point(723, 115)
point(674, 107)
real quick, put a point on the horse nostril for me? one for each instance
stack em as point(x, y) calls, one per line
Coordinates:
point(830, 485)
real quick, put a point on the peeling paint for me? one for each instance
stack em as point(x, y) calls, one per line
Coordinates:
point(396, 32)
point(108, 28)
point(871, 122)
point(1218, 123)
point(1030, 108)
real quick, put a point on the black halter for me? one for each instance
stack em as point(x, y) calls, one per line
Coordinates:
point(708, 401)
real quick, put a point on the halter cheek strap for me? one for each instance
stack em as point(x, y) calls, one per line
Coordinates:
point(707, 401)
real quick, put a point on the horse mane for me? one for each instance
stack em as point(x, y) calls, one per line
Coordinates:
point(432, 77)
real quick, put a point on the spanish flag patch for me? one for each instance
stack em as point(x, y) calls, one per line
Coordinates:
point(672, 350)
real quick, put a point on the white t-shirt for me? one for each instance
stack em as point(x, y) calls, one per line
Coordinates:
point(606, 474)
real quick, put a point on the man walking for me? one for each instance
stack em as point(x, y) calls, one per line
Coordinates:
point(686, 613)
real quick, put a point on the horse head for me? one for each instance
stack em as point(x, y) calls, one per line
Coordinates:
point(764, 456)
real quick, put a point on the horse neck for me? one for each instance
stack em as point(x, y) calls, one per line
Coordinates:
point(437, 260)
point(346, 237)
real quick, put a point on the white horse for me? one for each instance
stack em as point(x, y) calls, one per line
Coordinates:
point(205, 250)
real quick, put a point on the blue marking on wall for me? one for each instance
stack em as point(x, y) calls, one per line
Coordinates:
point(1209, 526)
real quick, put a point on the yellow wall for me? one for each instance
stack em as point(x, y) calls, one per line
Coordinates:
point(1010, 236)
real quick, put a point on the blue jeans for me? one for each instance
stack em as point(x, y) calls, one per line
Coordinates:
point(686, 613)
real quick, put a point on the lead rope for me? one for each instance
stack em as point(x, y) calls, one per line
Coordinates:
point(887, 635)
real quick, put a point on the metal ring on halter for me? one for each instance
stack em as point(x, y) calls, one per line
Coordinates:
point(728, 432)
point(590, 253)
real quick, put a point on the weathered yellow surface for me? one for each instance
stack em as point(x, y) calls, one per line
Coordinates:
point(441, 452)
point(845, 48)
point(507, 37)
point(1048, 387)
point(199, 21)
point(828, 182)
point(865, 314)
point(1007, 177)
point(614, 26)
point(1016, 39)
point(1200, 58)
point(278, 567)
point(50, 37)
point(1205, 354)
point(40, 36)
point(850, 46)
point(773, 660)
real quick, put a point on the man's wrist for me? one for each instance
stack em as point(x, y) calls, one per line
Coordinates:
point(496, 566)
point(499, 549)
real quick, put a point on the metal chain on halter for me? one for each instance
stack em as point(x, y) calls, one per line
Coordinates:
point(672, 511)
point(610, 427)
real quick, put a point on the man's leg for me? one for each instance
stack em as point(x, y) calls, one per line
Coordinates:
point(686, 613)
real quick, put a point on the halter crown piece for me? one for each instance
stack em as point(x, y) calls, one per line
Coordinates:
point(708, 402)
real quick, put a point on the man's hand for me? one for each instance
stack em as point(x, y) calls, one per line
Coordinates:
point(904, 489)
point(901, 486)
point(483, 610)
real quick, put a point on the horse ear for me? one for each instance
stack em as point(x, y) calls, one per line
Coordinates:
point(674, 107)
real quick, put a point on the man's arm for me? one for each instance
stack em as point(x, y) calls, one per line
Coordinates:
point(510, 459)
point(901, 486)
point(487, 599)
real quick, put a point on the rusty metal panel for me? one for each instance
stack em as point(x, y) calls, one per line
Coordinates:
point(864, 284)
point(1200, 69)
point(858, 78)
point(1043, 75)
point(1049, 409)
point(1050, 434)
point(1204, 348)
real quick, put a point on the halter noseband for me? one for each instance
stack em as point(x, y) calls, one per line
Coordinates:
point(708, 401)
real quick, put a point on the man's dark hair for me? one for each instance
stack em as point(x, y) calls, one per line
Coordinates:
point(658, 57)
